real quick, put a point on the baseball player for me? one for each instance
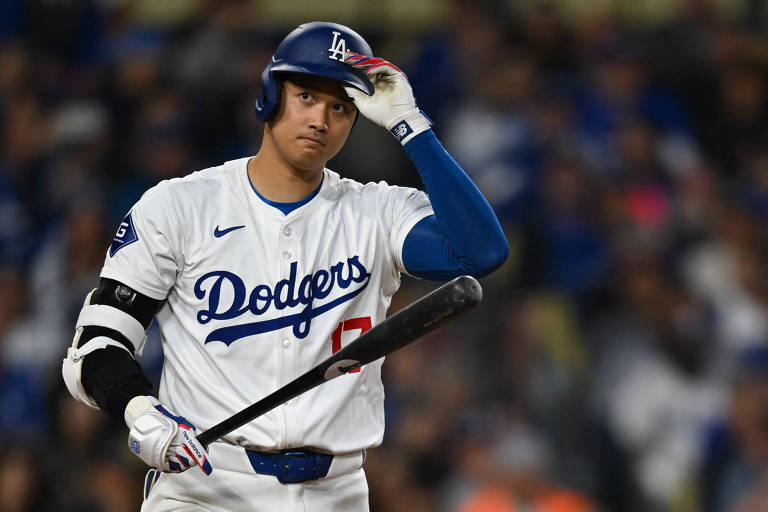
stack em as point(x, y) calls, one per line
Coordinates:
point(259, 269)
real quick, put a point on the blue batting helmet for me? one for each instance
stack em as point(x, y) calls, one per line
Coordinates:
point(315, 48)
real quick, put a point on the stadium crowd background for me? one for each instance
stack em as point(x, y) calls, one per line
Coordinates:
point(619, 361)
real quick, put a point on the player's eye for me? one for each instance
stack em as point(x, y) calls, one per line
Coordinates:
point(339, 107)
point(305, 96)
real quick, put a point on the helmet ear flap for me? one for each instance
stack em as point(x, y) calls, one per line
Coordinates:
point(268, 99)
point(277, 93)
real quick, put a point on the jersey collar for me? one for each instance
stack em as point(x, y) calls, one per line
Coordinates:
point(272, 208)
point(287, 208)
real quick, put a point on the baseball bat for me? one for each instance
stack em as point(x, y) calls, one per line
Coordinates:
point(413, 321)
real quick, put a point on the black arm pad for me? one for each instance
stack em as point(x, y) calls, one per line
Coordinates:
point(116, 294)
point(112, 377)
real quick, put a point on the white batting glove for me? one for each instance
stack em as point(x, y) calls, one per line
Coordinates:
point(161, 439)
point(392, 104)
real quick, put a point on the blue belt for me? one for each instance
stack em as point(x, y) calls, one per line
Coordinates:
point(291, 466)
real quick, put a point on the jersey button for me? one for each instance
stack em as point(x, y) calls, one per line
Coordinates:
point(286, 343)
point(287, 255)
point(287, 231)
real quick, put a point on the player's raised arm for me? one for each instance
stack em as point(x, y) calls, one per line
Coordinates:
point(463, 236)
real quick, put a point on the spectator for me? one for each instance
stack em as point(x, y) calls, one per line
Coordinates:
point(518, 479)
point(735, 476)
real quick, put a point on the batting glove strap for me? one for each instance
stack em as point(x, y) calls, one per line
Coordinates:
point(410, 125)
point(138, 406)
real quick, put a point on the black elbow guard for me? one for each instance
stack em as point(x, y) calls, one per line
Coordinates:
point(110, 375)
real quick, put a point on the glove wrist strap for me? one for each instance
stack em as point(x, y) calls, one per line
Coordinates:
point(137, 406)
point(408, 126)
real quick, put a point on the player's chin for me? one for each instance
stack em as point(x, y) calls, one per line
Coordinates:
point(309, 160)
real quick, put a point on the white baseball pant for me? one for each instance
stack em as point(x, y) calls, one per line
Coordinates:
point(234, 487)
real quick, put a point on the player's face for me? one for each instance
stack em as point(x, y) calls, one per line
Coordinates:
point(313, 122)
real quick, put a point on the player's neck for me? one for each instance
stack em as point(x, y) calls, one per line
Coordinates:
point(278, 181)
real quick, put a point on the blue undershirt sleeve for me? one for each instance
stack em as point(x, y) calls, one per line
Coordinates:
point(463, 236)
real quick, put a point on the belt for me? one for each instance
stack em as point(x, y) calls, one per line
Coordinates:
point(289, 466)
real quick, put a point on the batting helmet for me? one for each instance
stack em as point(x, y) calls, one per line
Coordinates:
point(315, 48)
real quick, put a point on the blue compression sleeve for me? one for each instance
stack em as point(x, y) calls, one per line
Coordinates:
point(463, 236)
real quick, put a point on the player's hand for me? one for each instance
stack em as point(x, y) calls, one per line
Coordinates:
point(161, 439)
point(392, 104)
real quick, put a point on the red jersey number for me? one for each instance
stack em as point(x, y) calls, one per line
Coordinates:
point(351, 324)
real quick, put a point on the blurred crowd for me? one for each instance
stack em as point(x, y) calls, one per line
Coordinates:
point(619, 361)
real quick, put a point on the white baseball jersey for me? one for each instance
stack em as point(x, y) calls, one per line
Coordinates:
point(255, 298)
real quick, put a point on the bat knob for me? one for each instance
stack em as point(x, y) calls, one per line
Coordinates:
point(468, 290)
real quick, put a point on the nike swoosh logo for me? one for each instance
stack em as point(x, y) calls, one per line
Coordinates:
point(275, 60)
point(218, 233)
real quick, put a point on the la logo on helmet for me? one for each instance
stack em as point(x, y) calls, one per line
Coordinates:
point(338, 47)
